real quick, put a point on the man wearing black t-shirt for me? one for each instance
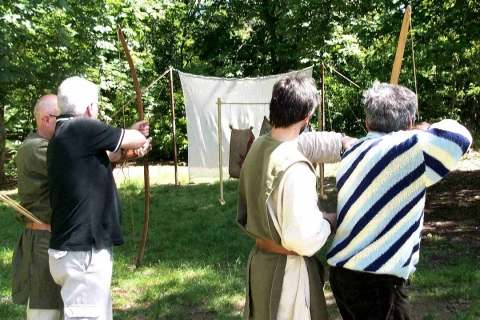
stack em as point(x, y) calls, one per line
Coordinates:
point(86, 213)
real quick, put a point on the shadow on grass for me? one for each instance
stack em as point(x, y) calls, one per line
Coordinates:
point(197, 246)
point(183, 299)
point(187, 223)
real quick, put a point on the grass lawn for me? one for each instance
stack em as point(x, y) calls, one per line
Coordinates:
point(194, 262)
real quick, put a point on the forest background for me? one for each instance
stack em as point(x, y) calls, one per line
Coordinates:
point(44, 42)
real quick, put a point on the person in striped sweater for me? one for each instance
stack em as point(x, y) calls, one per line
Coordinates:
point(381, 184)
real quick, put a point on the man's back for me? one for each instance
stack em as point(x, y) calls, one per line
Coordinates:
point(381, 183)
point(32, 177)
point(84, 198)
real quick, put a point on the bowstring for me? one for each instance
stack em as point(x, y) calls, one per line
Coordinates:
point(348, 105)
point(414, 66)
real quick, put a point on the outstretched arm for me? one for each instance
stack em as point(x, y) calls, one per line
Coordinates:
point(134, 139)
point(324, 147)
point(443, 144)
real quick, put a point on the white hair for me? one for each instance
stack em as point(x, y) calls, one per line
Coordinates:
point(75, 94)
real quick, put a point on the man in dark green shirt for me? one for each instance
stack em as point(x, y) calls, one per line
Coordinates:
point(32, 283)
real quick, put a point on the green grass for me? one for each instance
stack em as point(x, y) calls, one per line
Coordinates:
point(8, 235)
point(194, 261)
point(450, 280)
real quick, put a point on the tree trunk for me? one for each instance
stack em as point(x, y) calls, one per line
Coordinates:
point(3, 136)
point(271, 20)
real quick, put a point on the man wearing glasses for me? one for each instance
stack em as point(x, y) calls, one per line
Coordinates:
point(32, 283)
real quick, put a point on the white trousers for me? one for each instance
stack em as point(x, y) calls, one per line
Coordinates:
point(85, 278)
point(43, 314)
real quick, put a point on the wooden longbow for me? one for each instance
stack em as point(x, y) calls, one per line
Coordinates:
point(146, 175)
point(397, 64)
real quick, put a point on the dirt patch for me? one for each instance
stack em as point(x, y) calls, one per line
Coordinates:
point(429, 308)
point(452, 212)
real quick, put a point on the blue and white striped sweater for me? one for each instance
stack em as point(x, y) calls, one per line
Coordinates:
point(381, 186)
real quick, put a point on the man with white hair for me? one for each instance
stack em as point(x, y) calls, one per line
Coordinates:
point(32, 283)
point(381, 184)
point(86, 212)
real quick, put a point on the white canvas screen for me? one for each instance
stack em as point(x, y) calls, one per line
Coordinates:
point(201, 95)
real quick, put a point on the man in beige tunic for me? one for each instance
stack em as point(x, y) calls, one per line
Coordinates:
point(277, 206)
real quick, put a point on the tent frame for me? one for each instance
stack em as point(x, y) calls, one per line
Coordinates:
point(220, 139)
point(321, 126)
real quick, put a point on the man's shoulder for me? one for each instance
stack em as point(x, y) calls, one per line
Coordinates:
point(381, 144)
point(392, 138)
point(32, 143)
point(287, 155)
point(79, 126)
point(81, 121)
point(34, 138)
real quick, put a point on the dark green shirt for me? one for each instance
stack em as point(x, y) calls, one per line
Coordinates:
point(33, 189)
point(31, 278)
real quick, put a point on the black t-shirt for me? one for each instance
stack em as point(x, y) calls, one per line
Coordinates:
point(84, 198)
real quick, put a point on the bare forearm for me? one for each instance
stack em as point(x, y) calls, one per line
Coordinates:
point(114, 156)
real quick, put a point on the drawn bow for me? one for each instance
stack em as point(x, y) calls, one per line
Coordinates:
point(138, 94)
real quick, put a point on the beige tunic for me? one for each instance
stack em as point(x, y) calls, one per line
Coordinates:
point(299, 222)
point(277, 185)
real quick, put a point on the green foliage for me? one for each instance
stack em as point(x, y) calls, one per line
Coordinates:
point(48, 41)
point(10, 165)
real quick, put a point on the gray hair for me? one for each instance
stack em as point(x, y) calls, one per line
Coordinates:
point(75, 94)
point(389, 107)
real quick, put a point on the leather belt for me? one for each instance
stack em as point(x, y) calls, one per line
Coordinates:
point(39, 226)
point(270, 246)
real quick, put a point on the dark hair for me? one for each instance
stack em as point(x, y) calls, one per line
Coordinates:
point(293, 99)
point(389, 107)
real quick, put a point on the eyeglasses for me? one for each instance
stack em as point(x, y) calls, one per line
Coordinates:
point(97, 104)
